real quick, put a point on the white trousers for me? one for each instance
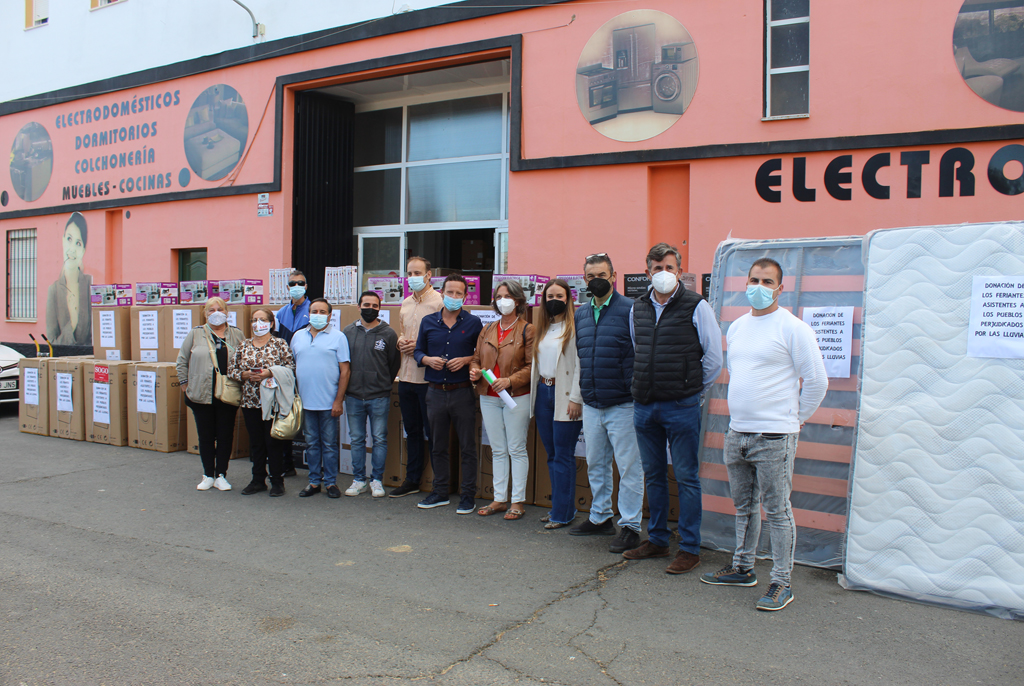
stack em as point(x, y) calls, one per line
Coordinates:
point(507, 431)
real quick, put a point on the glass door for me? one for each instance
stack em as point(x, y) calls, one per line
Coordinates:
point(382, 255)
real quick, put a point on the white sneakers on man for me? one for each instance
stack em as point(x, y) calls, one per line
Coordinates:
point(356, 488)
point(206, 484)
point(221, 484)
point(377, 489)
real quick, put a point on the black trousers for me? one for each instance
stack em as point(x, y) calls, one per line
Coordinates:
point(263, 448)
point(445, 408)
point(412, 399)
point(215, 424)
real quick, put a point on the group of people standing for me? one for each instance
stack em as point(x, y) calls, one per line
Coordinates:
point(631, 374)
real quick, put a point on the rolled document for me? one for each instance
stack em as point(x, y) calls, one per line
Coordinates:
point(509, 402)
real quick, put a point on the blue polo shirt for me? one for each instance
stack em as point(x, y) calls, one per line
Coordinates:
point(437, 340)
point(289, 321)
point(316, 365)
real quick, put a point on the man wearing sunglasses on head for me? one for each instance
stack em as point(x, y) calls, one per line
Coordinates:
point(295, 315)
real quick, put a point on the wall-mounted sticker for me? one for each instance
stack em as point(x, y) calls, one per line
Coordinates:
point(68, 299)
point(988, 48)
point(31, 161)
point(636, 75)
point(216, 131)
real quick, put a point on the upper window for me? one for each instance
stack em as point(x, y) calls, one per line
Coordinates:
point(21, 274)
point(96, 4)
point(37, 13)
point(786, 58)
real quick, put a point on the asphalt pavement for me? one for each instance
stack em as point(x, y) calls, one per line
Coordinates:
point(114, 569)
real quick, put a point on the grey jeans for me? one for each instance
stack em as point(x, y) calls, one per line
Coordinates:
point(761, 473)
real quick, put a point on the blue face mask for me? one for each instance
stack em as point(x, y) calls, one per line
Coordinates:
point(760, 297)
point(452, 304)
point(416, 283)
point(297, 292)
point(318, 321)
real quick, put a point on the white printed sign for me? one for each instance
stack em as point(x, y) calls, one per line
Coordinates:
point(385, 316)
point(149, 331)
point(485, 316)
point(232, 320)
point(147, 392)
point(336, 319)
point(182, 325)
point(64, 399)
point(108, 332)
point(31, 386)
point(148, 355)
point(997, 317)
point(833, 327)
point(100, 403)
point(113, 354)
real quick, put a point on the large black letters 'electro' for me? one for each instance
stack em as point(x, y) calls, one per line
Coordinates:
point(667, 365)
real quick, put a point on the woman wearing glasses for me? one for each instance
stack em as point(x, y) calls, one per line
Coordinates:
point(295, 315)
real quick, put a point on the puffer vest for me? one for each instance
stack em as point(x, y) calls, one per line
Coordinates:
point(667, 364)
point(606, 353)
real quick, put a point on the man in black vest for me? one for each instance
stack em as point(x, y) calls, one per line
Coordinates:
point(678, 355)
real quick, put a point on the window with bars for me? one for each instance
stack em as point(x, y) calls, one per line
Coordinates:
point(37, 13)
point(786, 58)
point(21, 274)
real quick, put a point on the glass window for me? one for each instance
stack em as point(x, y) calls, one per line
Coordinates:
point(455, 128)
point(463, 191)
point(192, 264)
point(787, 58)
point(790, 45)
point(789, 93)
point(376, 197)
point(21, 274)
point(378, 137)
point(789, 9)
point(37, 13)
point(381, 256)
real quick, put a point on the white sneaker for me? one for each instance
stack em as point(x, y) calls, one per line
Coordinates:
point(206, 484)
point(377, 489)
point(356, 488)
point(221, 484)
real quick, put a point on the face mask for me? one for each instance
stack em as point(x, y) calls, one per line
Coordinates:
point(760, 297)
point(664, 282)
point(260, 327)
point(318, 321)
point(297, 292)
point(554, 307)
point(506, 305)
point(368, 314)
point(217, 318)
point(599, 287)
point(452, 304)
point(416, 283)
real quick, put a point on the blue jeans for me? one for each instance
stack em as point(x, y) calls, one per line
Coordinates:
point(357, 410)
point(559, 439)
point(320, 430)
point(610, 435)
point(677, 424)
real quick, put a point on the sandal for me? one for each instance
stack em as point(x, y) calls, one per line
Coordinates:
point(489, 510)
point(513, 515)
point(546, 518)
point(556, 525)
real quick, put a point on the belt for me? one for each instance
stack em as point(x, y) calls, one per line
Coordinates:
point(547, 382)
point(450, 386)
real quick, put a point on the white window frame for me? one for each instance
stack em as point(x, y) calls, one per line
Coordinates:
point(25, 256)
point(401, 254)
point(769, 72)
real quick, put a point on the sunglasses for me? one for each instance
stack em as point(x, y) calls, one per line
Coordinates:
point(597, 254)
point(296, 283)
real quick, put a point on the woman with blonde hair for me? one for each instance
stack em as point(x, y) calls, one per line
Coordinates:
point(557, 401)
point(204, 353)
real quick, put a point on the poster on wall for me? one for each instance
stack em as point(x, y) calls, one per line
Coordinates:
point(68, 315)
point(987, 49)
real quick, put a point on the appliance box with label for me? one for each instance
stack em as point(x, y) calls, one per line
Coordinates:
point(389, 288)
point(578, 287)
point(164, 430)
point(66, 422)
point(113, 375)
point(532, 285)
point(34, 418)
point(157, 332)
point(597, 93)
point(197, 292)
point(240, 317)
point(111, 333)
point(156, 293)
point(111, 295)
point(241, 291)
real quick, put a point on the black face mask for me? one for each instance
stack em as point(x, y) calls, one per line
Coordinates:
point(368, 314)
point(554, 307)
point(599, 287)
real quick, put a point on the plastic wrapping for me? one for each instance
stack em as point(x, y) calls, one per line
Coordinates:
point(937, 497)
point(817, 272)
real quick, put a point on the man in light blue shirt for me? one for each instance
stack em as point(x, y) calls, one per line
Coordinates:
point(321, 372)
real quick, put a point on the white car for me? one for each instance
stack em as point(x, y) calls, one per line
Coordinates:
point(9, 374)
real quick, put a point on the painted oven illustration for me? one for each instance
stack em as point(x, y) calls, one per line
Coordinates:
point(632, 58)
point(674, 78)
point(597, 91)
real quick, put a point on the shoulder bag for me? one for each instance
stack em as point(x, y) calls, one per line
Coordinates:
point(288, 427)
point(225, 389)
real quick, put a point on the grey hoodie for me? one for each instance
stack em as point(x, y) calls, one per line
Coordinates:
point(374, 358)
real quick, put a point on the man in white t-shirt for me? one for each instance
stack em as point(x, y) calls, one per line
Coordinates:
point(769, 351)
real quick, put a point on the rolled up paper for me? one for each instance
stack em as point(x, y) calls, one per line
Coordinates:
point(509, 402)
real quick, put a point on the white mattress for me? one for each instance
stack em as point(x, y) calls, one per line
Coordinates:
point(937, 495)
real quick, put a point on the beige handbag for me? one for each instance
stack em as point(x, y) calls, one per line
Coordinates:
point(225, 389)
point(288, 427)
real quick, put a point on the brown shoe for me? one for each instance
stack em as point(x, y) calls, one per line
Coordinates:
point(683, 563)
point(646, 551)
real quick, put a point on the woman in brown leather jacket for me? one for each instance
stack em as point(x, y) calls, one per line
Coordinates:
point(505, 347)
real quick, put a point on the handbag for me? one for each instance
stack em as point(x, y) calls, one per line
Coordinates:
point(288, 427)
point(225, 389)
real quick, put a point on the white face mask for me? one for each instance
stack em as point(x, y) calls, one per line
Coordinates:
point(664, 282)
point(260, 327)
point(217, 318)
point(505, 305)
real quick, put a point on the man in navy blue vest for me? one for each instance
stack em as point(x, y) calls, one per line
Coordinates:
point(678, 355)
point(606, 374)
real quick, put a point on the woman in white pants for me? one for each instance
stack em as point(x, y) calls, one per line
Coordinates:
point(505, 348)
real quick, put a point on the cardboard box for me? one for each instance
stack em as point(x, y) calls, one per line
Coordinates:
point(240, 317)
point(532, 285)
point(485, 312)
point(343, 315)
point(197, 292)
point(110, 294)
point(578, 287)
point(391, 289)
point(584, 497)
point(33, 396)
point(241, 291)
point(106, 401)
point(156, 408)
point(475, 255)
point(67, 404)
point(157, 332)
point(392, 316)
point(156, 293)
point(239, 441)
point(112, 333)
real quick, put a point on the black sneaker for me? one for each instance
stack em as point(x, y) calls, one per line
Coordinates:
point(433, 500)
point(626, 540)
point(730, 576)
point(277, 489)
point(405, 489)
point(333, 491)
point(467, 504)
point(309, 490)
point(254, 487)
point(588, 528)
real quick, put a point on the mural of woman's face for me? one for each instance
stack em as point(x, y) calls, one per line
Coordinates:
point(74, 248)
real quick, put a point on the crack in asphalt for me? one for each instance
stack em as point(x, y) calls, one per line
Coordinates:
point(603, 666)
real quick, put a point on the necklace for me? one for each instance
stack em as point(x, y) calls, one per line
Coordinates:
point(505, 329)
